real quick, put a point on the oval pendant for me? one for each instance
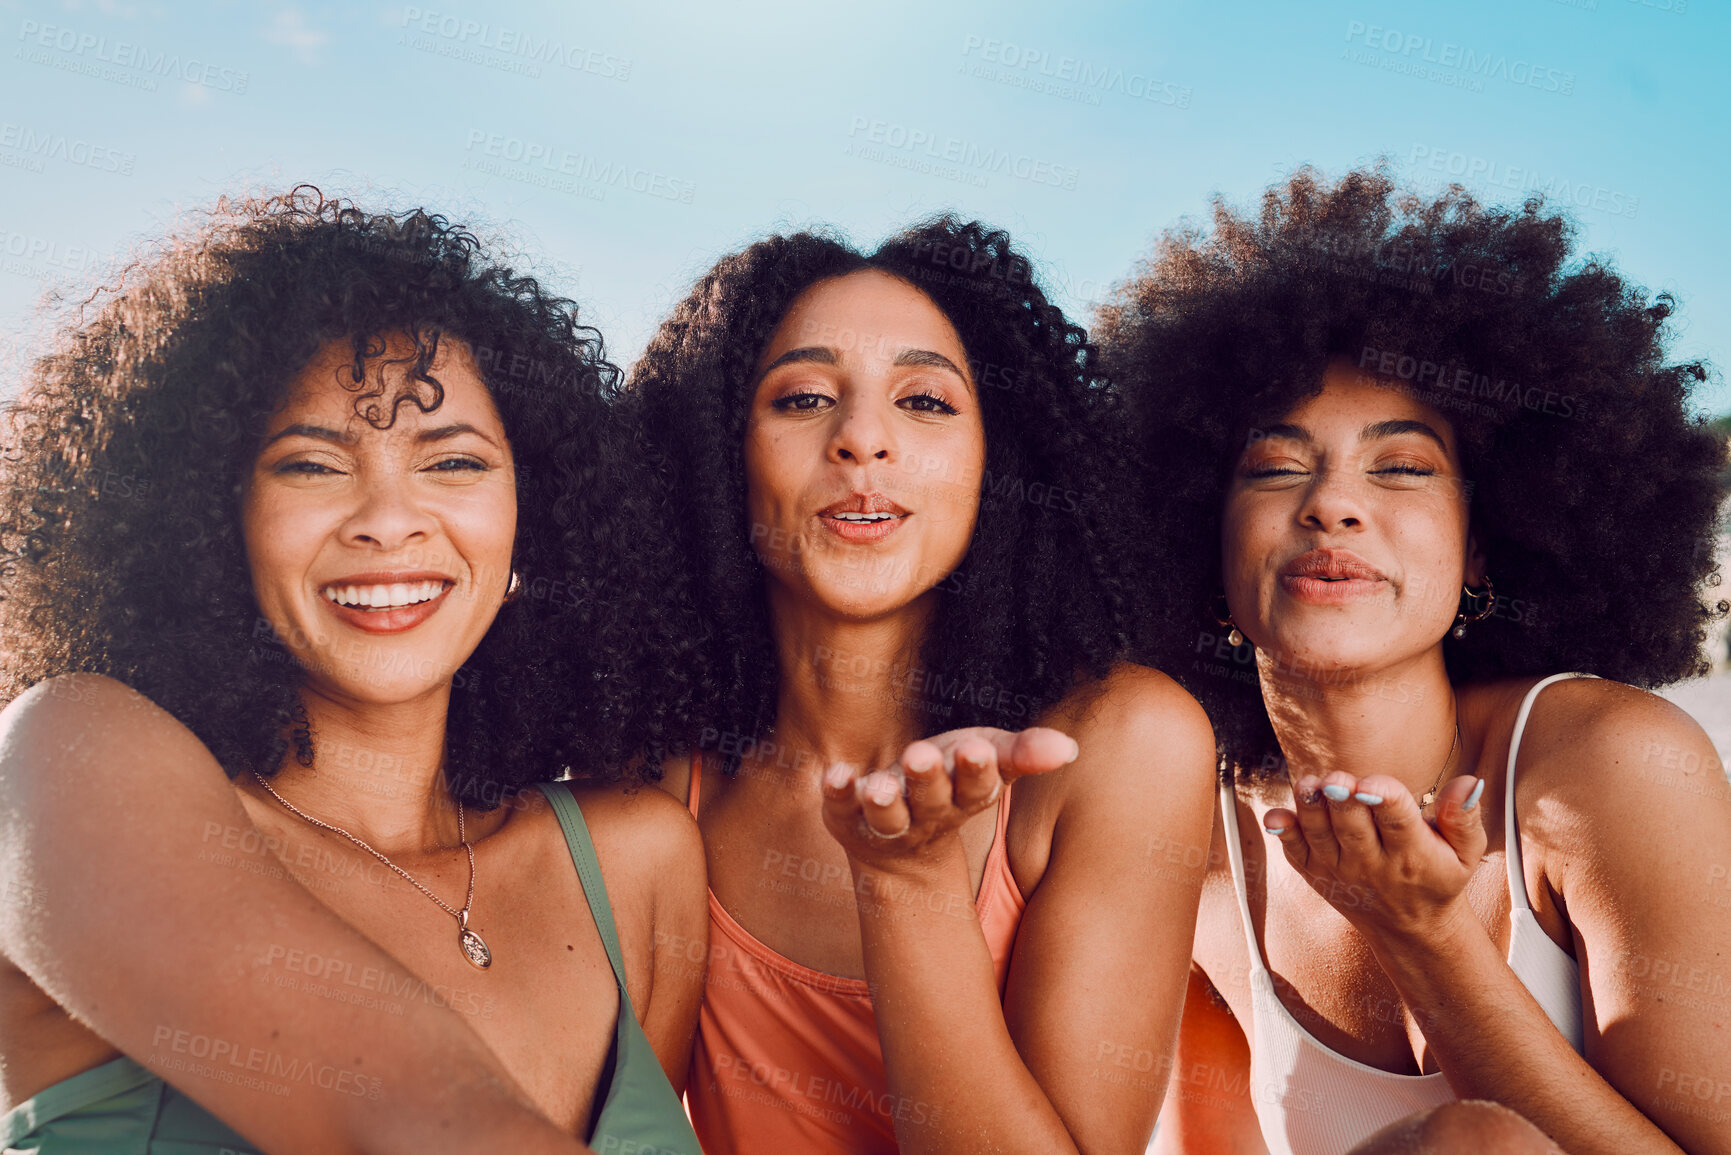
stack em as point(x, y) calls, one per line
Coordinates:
point(474, 949)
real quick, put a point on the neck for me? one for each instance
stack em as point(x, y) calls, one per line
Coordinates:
point(1398, 720)
point(377, 773)
point(850, 690)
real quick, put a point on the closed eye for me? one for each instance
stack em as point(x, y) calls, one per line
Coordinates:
point(452, 464)
point(304, 468)
point(1407, 470)
point(1273, 471)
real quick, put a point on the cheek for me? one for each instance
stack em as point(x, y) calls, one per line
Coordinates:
point(281, 543)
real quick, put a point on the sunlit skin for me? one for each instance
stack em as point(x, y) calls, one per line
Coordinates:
point(864, 404)
point(334, 502)
point(877, 417)
point(412, 528)
point(1345, 548)
point(1386, 927)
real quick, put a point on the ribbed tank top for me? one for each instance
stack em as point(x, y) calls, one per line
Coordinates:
point(1309, 1099)
point(787, 1058)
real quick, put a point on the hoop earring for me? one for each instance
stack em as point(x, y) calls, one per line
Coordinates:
point(1223, 615)
point(1488, 595)
point(512, 590)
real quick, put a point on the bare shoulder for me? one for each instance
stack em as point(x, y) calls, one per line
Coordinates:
point(91, 724)
point(640, 824)
point(1135, 718)
point(75, 699)
point(1607, 767)
point(1592, 735)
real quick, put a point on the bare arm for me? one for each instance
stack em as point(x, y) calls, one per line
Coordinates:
point(167, 951)
point(1633, 863)
point(1100, 956)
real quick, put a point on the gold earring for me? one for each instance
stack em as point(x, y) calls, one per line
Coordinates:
point(1489, 597)
point(512, 590)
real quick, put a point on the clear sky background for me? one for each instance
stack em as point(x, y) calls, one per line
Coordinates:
point(622, 147)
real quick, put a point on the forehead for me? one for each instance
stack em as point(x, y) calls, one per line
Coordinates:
point(325, 387)
point(1352, 399)
point(864, 315)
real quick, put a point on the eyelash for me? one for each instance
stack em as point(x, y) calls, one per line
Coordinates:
point(786, 404)
point(942, 405)
point(318, 469)
point(790, 403)
point(1407, 470)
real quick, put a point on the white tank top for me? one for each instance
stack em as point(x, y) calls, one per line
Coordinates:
point(1311, 1100)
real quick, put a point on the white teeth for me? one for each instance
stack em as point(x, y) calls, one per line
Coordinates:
point(385, 596)
point(862, 517)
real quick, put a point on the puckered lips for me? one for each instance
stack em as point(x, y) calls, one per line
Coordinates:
point(862, 518)
point(386, 601)
point(1331, 577)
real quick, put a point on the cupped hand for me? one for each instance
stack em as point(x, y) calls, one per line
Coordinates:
point(1364, 845)
point(892, 815)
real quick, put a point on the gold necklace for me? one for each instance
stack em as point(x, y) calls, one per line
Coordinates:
point(474, 949)
point(1430, 795)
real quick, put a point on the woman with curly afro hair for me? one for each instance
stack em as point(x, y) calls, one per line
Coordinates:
point(898, 490)
point(1439, 503)
point(295, 525)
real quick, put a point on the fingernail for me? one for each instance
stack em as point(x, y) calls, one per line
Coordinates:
point(1369, 799)
point(1276, 830)
point(837, 776)
point(1336, 793)
point(923, 765)
point(1473, 798)
point(884, 795)
point(1075, 750)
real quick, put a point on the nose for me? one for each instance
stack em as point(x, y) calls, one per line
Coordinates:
point(862, 434)
point(387, 516)
point(1332, 501)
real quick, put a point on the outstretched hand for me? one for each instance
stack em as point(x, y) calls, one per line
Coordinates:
point(890, 816)
point(1364, 845)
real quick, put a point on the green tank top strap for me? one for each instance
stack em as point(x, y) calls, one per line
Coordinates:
point(640, 1111)
point(118, 1108)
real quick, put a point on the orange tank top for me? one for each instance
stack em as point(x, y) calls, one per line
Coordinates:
point(787, 1058)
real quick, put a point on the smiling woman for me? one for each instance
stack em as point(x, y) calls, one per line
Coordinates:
point(1428, 530)
point(392, 930)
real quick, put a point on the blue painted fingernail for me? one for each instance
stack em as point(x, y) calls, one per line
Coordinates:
point(1276, 830)
point(1369, 799)
point(1473, 798)
point(1335, 793)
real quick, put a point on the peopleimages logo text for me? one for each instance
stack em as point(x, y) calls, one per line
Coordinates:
point(1447, 54)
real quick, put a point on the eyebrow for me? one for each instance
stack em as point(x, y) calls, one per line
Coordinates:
point(819, 354)
point(1372, 432)
point(320, 433)
point(1382, 429)
point(316, 432)
point(929, 358)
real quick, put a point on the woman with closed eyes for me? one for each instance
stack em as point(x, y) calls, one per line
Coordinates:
point(290, 551)
point(898, 490)
point(1442, 505)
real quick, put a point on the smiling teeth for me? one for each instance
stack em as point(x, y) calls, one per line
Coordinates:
point(866, 518)
point(385, 596)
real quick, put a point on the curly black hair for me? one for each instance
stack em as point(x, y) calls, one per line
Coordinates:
point(1593, 485)
point(1040, 602)
point(125, 455)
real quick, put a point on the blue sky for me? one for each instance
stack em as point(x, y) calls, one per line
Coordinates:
point(620, 148)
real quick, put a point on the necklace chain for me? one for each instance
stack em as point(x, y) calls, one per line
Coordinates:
point(462, 916)
point(1430, 795)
